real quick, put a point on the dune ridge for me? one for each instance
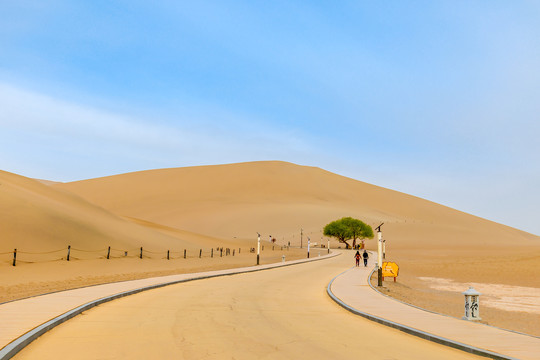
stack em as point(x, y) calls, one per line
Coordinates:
point(275, 197)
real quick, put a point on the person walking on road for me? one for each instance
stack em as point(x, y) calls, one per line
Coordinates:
point(357, 257)
point(365, 255)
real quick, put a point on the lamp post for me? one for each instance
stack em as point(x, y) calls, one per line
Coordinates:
point(258, 246)
point(308, 241)
point(328, 245)
point(379, 255)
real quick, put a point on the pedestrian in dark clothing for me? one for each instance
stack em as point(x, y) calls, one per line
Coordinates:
point(357, 257)
point(365, 255)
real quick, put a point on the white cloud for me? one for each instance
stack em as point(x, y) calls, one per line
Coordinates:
point(60, 133)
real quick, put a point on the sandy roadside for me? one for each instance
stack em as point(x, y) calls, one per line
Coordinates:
point(436, 283)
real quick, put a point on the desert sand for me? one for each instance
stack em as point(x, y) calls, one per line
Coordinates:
point(277, 314)
point(225, 205)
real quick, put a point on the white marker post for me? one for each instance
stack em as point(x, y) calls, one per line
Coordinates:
point(329, 246)
point(472, 305)
point(379, 255)
point(308, 240)
point(258, 246)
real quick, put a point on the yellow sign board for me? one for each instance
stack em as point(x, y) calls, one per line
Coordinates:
point(390, 269)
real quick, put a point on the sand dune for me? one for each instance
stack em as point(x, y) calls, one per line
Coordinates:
point(35, 217)
point(279, 198)
point(227, 204)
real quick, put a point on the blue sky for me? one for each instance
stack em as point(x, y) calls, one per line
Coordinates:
point(439, 99)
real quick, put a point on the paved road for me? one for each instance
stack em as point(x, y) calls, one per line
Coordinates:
point(283, 313)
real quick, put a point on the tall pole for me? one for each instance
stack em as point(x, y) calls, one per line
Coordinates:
point(301, 235)
point(308, 241)
point(379, 255)
point(258, 246)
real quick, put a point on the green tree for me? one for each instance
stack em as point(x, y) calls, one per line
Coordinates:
point(358, 229)
point(348, 228)
point(338, 230)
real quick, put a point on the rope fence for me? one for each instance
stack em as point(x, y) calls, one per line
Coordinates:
point(29, 257)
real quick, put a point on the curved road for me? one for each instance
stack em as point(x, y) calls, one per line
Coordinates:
point(283, 313)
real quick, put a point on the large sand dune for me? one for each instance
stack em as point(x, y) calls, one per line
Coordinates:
point(227, 204)
point(279, 198)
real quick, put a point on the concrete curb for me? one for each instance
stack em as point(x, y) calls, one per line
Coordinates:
point(419, 333)
point(11, 349)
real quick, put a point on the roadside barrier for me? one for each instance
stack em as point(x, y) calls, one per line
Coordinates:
point(71, 253)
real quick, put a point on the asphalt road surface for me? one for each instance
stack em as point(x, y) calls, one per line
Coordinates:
point(283, 313)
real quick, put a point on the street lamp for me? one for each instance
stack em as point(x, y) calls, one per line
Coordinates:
point(379, 255)
point(258, 246)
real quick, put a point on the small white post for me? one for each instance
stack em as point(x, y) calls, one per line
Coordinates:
point(472, 305)
point(283, 258)
point(308, 242)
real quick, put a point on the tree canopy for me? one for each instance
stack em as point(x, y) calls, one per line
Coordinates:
point(348, 228)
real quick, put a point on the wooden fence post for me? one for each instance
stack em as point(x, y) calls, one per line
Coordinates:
point(140, 256)
point(184, 253)
point(212, 253)
point(168, 254)
point(14, 257)
point(200, 253)
point(108, 253)
point(233, 252)
point(69, 250)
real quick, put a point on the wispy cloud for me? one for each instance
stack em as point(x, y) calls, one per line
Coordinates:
point(71, 132)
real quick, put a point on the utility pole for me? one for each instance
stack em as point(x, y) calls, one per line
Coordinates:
point(258, 246)
point(379, 255)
